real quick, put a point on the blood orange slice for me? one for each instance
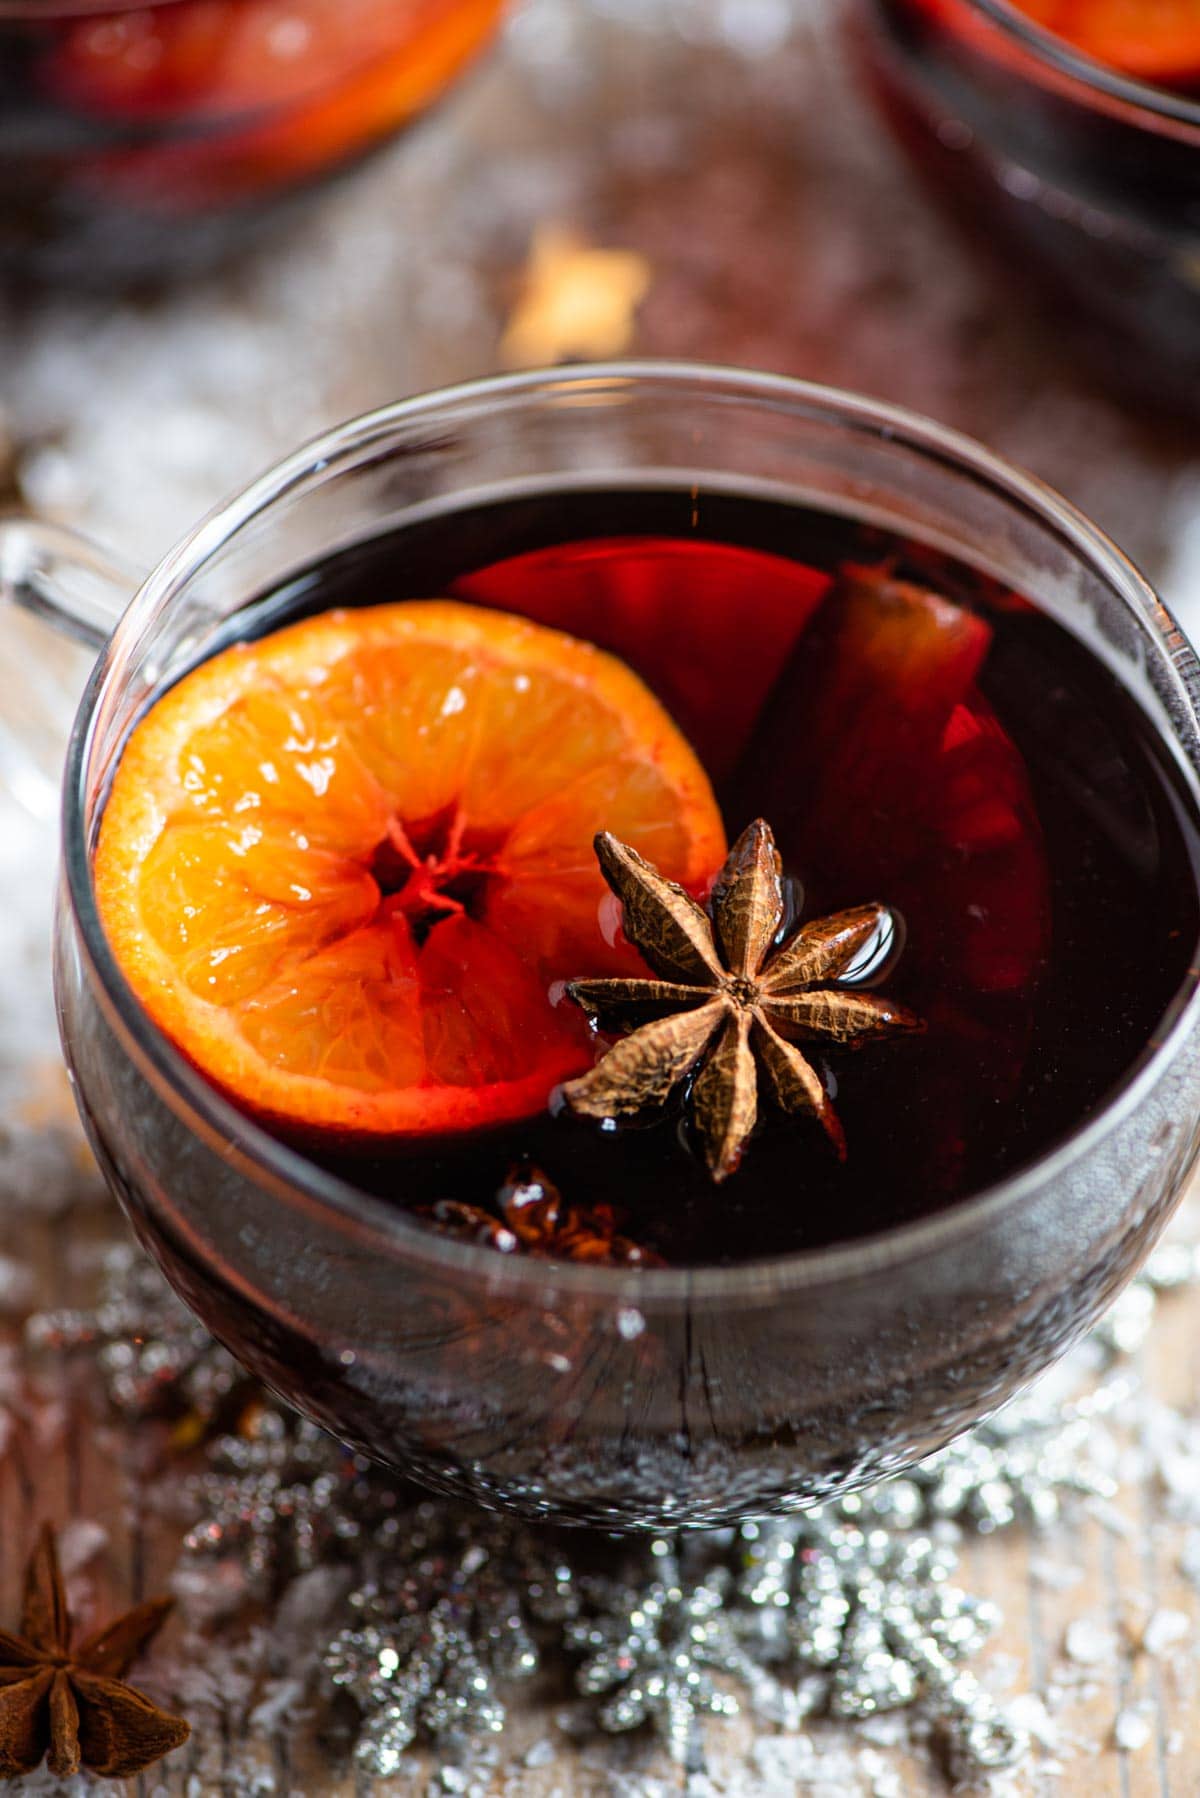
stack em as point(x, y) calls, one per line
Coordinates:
point(710, 624)
point(918, 793)
point(343, 867)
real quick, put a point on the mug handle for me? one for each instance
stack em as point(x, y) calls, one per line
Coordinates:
point(57, 577)
point(61, 576)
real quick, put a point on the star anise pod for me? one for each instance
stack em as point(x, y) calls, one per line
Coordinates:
point(71, 1705)
point(726, 1001)
point(535, 1217)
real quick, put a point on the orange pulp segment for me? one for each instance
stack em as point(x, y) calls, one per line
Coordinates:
point(342, 867)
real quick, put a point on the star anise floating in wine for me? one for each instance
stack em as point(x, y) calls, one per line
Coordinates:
point(728, 1005)
point(534, 1218)
point(71, 1706)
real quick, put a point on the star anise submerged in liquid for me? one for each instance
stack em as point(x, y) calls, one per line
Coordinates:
point(536, 1219)
point(727, 1005)
point(69, 1705)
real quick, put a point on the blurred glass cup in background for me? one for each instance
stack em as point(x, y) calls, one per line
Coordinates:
point(1084, 174)
point(142, 141)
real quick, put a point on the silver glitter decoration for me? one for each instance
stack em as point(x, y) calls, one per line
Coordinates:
point(1126, 1324)
point(651, 1647)
point(452, 1614)
point(874, 1614)
point(156, 1360)
point(849, 1610)
point(1025, 1465)
point(287, 1498)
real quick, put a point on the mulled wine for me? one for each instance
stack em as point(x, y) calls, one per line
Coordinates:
point(916, 735)
point(1065, 134)
point(434, 891)
point(141, 141)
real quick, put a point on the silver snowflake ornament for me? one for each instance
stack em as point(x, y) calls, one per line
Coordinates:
point(285, 1497)
point(849, 1610)
point(651, 1647)
point(454, 1612)
point(411, 1672)
point(874, 1614)
point(1026, 1465)
point(155, 1359)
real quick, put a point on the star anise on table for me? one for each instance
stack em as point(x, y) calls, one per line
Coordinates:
point(536, 1219)
point(71, 1706)
point(727, 1004)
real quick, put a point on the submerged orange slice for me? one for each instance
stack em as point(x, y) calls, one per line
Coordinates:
point(1157, 41)
point(342, 867)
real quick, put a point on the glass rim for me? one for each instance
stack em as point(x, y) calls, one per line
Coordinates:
point(1066, 59)
point(287, 1172)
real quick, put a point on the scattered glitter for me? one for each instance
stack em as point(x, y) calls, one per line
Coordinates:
point(1055, 1576)
point(1189, 1560)
point(1126, 1324)
point(284, 1498)
point(850, 1610)
point(1166, 1629)
point(1089, 1643)
point(1133, 1729)
point(1021, 1466)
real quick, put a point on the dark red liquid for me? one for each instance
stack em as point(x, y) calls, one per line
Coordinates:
point(1050, 172)
point(995, 784)
point(150, 140)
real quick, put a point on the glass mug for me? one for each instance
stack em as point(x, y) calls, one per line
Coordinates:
point(141, 138)
point(626, 1398)
point(1088, 176)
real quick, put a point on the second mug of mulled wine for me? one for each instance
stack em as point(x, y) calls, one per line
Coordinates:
point(628, 936)
point(1066, 134)
point(140, 140)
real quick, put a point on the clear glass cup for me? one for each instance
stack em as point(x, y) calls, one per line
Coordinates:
point(626, 1398)
point(142, 138)
point(1057, 164)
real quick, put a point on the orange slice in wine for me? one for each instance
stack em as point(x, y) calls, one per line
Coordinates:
point(1156, 40)
point(224, 60)
point(256, 93)
point(343, 867)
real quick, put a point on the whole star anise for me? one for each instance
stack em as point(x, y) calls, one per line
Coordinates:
point(726, 1000)
point(71, 1706)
